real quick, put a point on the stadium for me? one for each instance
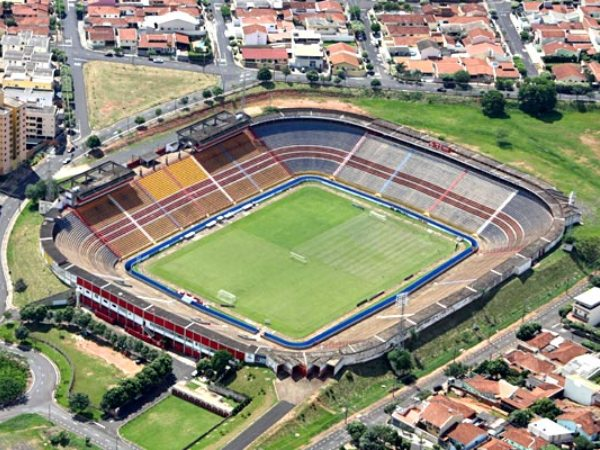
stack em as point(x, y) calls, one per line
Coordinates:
point(304, 240)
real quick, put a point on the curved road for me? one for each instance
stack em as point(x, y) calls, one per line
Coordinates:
point(40, 399)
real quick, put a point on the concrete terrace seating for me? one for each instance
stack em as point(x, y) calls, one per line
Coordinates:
point(223, 155)
point(308, 133)
point(300, 159)
point(186, 172)
point(130, 243)
point(159, 184)
point(80, 244)
point(533, 218)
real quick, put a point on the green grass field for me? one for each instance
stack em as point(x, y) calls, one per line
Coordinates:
point(172, 423)
point(351, 255)
point(93, 375)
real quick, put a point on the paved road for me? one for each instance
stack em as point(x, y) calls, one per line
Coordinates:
point(510, 33)
point(266, 421)
point(548, 317)
point(40, 399)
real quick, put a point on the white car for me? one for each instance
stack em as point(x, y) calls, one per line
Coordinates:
point(67, 160)
point(158, 60)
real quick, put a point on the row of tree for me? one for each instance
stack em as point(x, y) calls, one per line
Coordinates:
point(376, 437)
point(153, 375)
point(85, 322)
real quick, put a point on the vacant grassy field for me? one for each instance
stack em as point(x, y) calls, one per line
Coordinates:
point(256, 383)
point(33, 432)
point(93, 375)
point(563, 148)
point(115, 91)
point(26, 261)
point(345, 247)
point(172, 423)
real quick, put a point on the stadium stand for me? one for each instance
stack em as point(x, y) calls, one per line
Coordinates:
point(159, 184)
point(100, 212)
point(186, 172)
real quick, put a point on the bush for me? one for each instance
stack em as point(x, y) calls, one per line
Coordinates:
point(528, 331)
point(493, 103)
point(14, 373)
point(20, 285)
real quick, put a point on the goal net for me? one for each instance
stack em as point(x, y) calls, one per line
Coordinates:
point(377, 215)
point(227, 297)
point(298, 257)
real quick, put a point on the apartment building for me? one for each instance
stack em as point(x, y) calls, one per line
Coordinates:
point(13, 150)
point(40, 111)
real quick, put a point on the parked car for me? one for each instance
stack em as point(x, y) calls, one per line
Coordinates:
point(110, 54)
point(441, 89)
point(158, 60)
point(67, 160)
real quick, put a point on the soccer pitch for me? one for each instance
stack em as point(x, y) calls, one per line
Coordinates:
point(345, 254)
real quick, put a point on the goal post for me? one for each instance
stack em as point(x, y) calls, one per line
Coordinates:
point(378, 215)
point(298, 257)
point(227, 297)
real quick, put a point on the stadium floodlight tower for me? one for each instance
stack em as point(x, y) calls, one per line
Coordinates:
point(401, 302)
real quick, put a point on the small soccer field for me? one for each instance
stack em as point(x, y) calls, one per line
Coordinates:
point(304, 260)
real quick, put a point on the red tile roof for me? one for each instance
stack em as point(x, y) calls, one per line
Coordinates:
point(569, 349)
point(523, 438)
point(264, 53)
point(564, 72)
point(465, 433)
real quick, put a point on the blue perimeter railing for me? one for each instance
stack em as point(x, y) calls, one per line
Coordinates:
point(130, 265)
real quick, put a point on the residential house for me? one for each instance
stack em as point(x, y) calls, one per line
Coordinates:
point(440, 414)
point(587, 304)
point(550, 431)
point(344, 57)
point(175, 22)
point(521, 439)
point(101, 37)
point(273, 57)
point(429, 49)
point(127, 39)
point(307, 56)
point(255, 35)
point(466, 436)
point(582, 391)
point(581, 421)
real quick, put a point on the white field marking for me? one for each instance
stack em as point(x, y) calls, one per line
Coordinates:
point(498, 210)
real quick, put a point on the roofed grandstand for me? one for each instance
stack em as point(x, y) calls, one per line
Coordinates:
point(514, 218)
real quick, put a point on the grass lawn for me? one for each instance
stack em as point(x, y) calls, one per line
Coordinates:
point(173, 423)
point(115, 91)
point(93, 376)
point(563, 149)
point(345, 247)
point(256, 383)
point(32, 432)
point(26, 261)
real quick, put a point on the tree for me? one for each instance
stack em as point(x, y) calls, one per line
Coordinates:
point(493, 103)
point(217, 91)
point(22, 333)
point(357, 27)
point(581, 443)
point(545, 407)
point(400, 68)
point(226, 12)
point(20, 285)
point(495, 368)
point(312, 76)
point(356, 430)
point(139, 120)
point(375, 27)
point(504, 84)
point(286, 72)
point(35, 192)
point(60, 439)
point(375, 84)
point(158, 112)
point(462, 78)
point(354, 12)
point(93, 141)
point(520, 418)
point(219, 361)
point(528, 330)
point(456, 370)
point(79, 402)
point(537, 95)
point(207, 93)
point(184, 100)
point(264, 74)
point(33, 313)
point(587, 249)
point(401, 361)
